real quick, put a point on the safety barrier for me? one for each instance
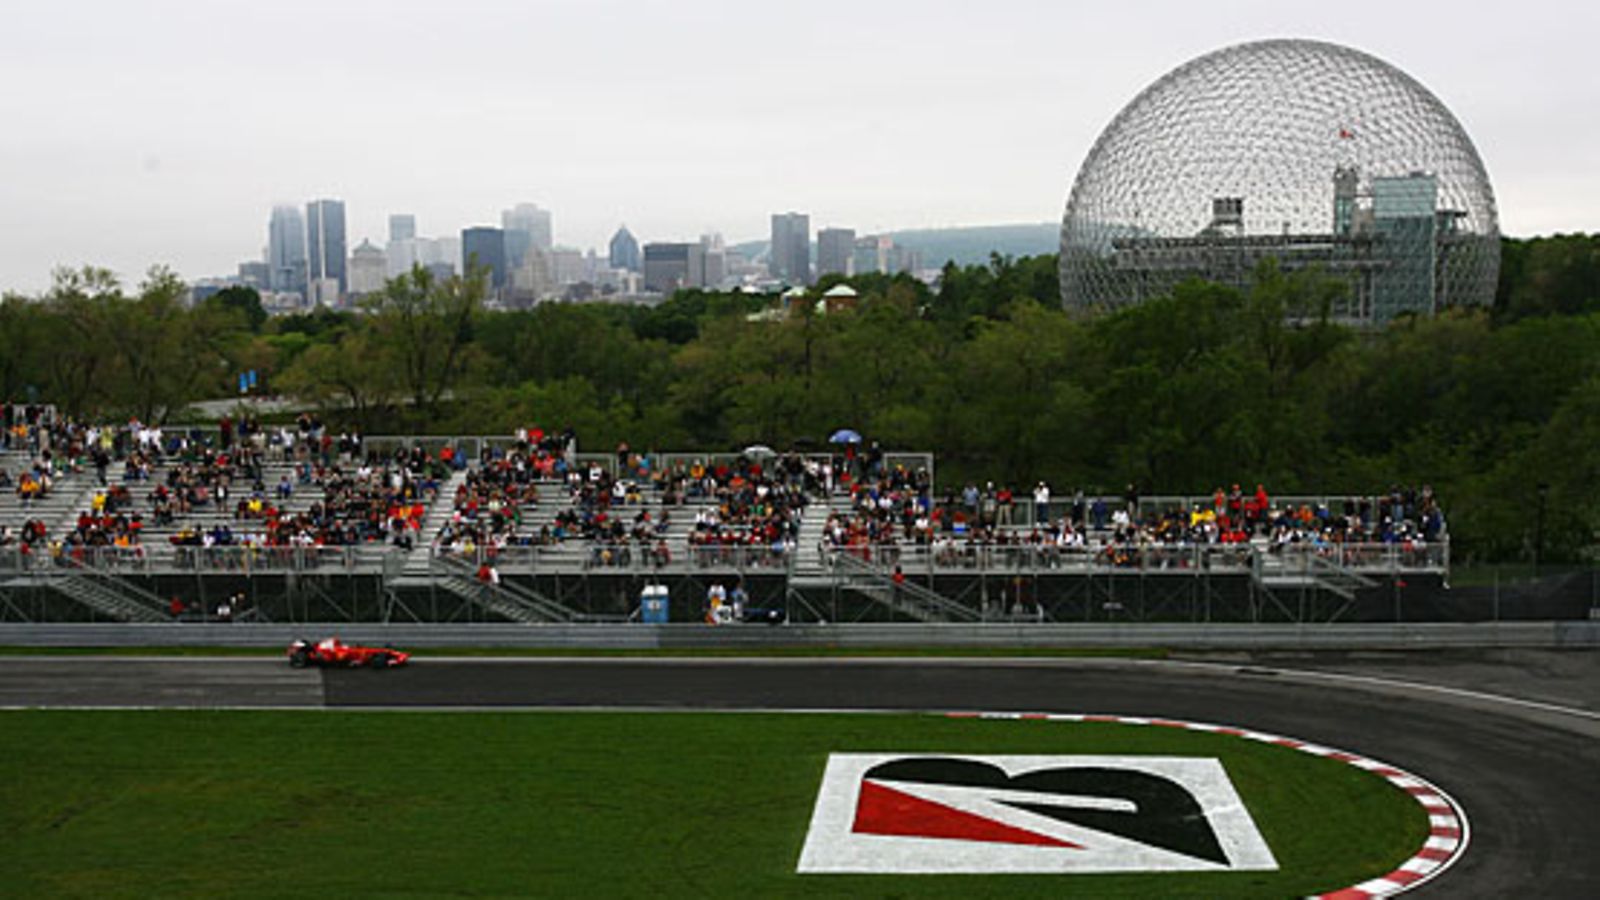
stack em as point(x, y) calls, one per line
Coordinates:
point(1417, 636)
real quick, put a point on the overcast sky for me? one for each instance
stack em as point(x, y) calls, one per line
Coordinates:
point(140, 132)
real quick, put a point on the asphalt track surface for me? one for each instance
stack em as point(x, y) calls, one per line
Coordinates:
point(1526, 773)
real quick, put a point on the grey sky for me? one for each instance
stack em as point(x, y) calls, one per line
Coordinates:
point(140, 132)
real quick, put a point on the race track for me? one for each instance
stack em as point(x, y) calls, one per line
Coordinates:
point(1527, 774)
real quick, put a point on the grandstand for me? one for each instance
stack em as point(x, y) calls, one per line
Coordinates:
point(297, 524)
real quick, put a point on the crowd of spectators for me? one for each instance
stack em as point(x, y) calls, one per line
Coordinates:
point(747, 507)
point(28, 536)
point(989, 525)
point(753, 514)
point(490, 507)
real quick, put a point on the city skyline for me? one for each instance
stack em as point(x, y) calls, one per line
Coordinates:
point(156, 122)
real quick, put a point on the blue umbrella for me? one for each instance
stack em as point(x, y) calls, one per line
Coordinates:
point(845, 436)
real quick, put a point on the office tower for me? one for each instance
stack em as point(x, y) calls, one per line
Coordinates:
point(669, 267)
point(531, 281)
point(400, 253)
point(835, 247)
point(400, 256)
point(369, 268)
point(624, 250)
point(485, 248)
point(402, 227)
point(286, 250)
point(325, 247)
point(530, 219)
point(567, 265)
point(714, 260)
point(433, 253)
point(256, 274)
point(790, 255)
point(518, 244)
point(873, 253)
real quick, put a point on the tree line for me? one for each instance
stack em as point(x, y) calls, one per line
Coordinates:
point(1497, 409)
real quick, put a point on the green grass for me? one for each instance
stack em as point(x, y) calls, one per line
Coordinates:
point(336, 804)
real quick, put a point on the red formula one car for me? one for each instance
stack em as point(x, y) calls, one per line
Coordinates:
point(334, 652)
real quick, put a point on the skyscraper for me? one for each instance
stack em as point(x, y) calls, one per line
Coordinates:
point(440, 253)
point(529, 218)
point(402, 227)
point(790, 256)
point(835, 246)
point(873, 253)
point(566, 265)
point(624, 250)
point(714, 260)
point(485, 248)
point(368, 269)
point(325, 248)
point(401, 251)
point(531, 282)
point(668, 267)
point(256, 274)
point(286, 250)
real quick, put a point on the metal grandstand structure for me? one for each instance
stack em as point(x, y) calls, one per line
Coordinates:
point(954, 579)
point(1308, 153)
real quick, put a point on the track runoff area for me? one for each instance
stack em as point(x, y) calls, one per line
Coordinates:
point(494, 797)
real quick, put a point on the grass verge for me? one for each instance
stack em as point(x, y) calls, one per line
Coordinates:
point(273, 804)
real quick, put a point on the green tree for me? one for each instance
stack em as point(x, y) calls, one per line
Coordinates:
point(422, 328)
point(245, 300)
point(81, 331)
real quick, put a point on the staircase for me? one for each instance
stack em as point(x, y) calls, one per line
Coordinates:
point(82, 500)
point(810, 562)
point(1335, 578)
point(1306, 572)
point(416, 570)
point(518, 603)
point(914, 600)
point(107, 594)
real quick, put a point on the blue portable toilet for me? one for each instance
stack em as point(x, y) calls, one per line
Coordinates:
point(654, 604)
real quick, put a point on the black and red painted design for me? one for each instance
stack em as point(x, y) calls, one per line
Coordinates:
point(924, 813)
point(1143, 807)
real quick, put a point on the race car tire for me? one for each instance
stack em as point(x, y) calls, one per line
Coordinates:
point(379, 661)
point(299, 659)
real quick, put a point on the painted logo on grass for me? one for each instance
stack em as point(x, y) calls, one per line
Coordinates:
point(952, 814)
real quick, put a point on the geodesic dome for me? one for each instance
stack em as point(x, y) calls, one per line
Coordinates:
point(1301, 151)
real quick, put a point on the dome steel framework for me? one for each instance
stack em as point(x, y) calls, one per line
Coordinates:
point(1301, 151)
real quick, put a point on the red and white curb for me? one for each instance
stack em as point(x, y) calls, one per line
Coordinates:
point(1448, 832)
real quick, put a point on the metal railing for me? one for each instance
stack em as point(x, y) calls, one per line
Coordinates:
point(953, 557)
point(968, 557)
point(152, 559)
point(1097, 511)
point(591, 556)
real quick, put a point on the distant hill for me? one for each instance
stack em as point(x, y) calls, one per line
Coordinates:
point(966, 246)
point(972, 246)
